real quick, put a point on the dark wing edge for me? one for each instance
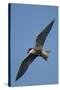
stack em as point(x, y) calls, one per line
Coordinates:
point(24, 65)
point(42, 36)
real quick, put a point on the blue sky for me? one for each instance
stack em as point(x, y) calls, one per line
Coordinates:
point(27, 21)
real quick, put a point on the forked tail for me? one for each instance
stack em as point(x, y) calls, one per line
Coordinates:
point(45, 54)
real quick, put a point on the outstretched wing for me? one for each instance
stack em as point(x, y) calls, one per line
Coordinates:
point(24, 65)
point(42, 36)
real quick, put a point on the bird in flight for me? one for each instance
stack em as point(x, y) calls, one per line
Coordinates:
point(33, 53)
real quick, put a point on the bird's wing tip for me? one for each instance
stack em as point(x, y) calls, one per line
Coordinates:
point(53, 20)
point(16, 79)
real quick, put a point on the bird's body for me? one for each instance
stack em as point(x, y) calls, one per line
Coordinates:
point(36, 51)
point(41, 53)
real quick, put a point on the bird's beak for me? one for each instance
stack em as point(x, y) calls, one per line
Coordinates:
point(27, 52)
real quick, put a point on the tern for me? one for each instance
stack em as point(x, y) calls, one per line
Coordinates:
point(33, 53)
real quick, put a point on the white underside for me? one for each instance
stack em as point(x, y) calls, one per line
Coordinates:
point(33, 51)
point(45, 53)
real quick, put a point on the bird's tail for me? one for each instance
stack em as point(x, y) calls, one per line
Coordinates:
point(46, 54)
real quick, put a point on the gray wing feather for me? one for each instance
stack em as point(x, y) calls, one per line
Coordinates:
point(42, 36)
point(24, 65)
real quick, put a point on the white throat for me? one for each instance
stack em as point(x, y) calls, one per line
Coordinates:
point(32, 51)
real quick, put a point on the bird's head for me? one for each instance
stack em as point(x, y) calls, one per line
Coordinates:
point(29, 50)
